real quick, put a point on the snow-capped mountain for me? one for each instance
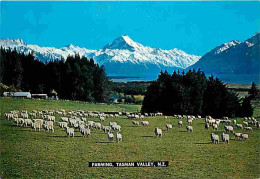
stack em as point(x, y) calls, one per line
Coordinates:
point(233, 57)
point(121, 57)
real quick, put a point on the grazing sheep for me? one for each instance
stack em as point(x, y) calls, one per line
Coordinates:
point(214, 138)
point(207, 126)
point(27, 122)
point(85, 132)
point(36, 125)
point(118, 137)
point(145, 123)
point(19, 121)
point(106, 128)
point(239, 126)
point(70, 132)
point(91, 123)
point(237, 135)
point(229, 128)
point(179, 123)
point(158, 132)
point(135, 123)
point(102, 118)
point(112, 123)
point(245, 123)
point(189, 121)
point(215, 126)
point(165, 117)
point(248, 128)
point(116, 127)
point(48, 126)
point(225, 137)
point(168, 126)
point(234, 121)
point(189, 128)
point(98, 125)
point(110, 136)
point(244, 136)
point(63, 124)
point(64, 119)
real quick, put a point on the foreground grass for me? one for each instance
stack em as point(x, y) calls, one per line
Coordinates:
point(29, 154)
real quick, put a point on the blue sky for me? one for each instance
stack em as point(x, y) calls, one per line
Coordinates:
point(195, 27)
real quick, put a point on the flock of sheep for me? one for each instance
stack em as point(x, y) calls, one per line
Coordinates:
point(79, 120)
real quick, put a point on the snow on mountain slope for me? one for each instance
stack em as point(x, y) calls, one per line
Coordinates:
point(122, 52)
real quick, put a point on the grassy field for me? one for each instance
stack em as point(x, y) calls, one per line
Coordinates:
point(28, 154)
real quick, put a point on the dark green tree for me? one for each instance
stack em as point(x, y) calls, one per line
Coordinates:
point(253, 92)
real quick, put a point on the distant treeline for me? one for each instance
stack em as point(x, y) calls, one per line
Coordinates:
point(193, 93)
point(130, 88)
point(75, 78)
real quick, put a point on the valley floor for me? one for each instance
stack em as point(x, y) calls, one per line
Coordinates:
point(28, 154)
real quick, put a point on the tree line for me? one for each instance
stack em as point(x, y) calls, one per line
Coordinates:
point(74, 78)
point(195, 94)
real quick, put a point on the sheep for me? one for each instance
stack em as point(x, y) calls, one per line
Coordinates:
point(207, 126)
point(116, 127)
point(27, 122)
point(234, 121)
point(217, 122)
point(225, 137)
point(85, 132)
point(142, 117)
point(179, 123)
point(8, 115)
point(106, 128)
point(102, 118)
point(165, 117)
point(98, 125)
point(189, 128)
point(158, 132)
point(145, 123)
point(215, 126)
point(63, 124)
point(248, 128)
point(135, 123)
point(245, 123)
point(91, 123)
point(70, 131)
point(239, 126)
point(214, 138)
point(189, 121)
point(36, 125)
point(19, 121)
point(110, 136)
point(229, 128)
point(118, 137)
point(237, 135)
point(168, 126)
point(64, 119)
point(48, 126)
point(244, 136)
point(112, 123)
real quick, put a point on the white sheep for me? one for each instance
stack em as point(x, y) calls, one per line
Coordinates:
point(180, 123)
point(98, 125)
point(70, 132)
point(64, 119)
point(135, 123)
point(27, 122)
point(237, 135)
point(106, 128)
point(240, 126)
point(145, 123)
point(110, 136)
point(189, 128)
point(214, 138)
point(85, 132)
point(229, 128)
point(215, 126)
point(189, 121)
point(48, 126)
point(118, 137)
point(158, 132)
point(248, 128)
point(168, 126)
point(63, 124)
point(225, 137)
point(244, 136)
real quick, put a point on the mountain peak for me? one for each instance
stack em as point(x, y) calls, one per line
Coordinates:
point(225, 46)
point(123, 42)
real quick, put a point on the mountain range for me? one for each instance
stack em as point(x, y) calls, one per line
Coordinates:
point(122, 57)
point(125, 57)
